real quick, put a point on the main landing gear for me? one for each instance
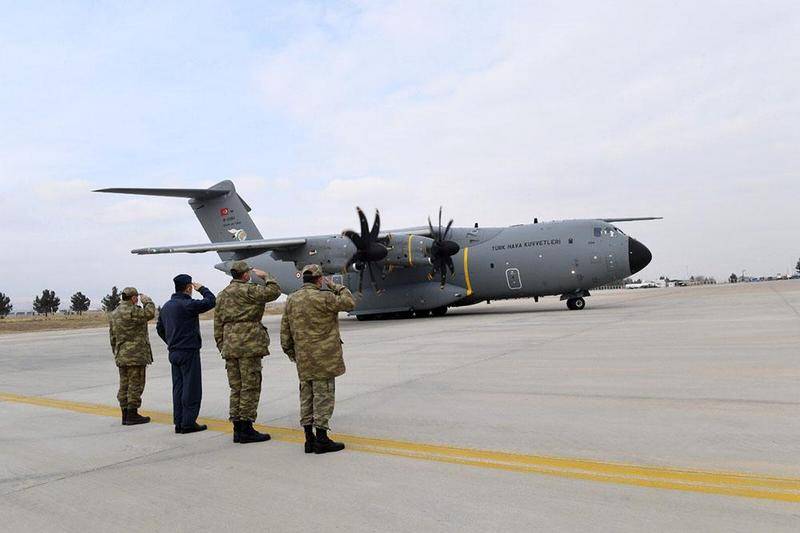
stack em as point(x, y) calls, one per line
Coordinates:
point(576, 304)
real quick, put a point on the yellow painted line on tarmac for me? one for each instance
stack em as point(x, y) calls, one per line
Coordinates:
point(721, 483)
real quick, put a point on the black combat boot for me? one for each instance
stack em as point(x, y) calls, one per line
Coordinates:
point(237, 431)
point(310, 439)
point(134, 418)
point(325, 445)
point(249, 434)
point(194, 428)
point(124, 416)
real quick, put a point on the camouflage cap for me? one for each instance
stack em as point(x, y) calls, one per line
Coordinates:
point(241, 266)
point(129, 292)
point(312, 270)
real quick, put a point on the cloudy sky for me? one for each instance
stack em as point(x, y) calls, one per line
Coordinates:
point(500, 111)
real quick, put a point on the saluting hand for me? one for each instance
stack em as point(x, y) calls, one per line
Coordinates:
point(197, 286)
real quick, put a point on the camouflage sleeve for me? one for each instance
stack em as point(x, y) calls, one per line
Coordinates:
point(143, 314)
point(342, 299)
point(149, 310)
point(112, 336)
point(287, 341)
point(266, 293)
point(219, 328)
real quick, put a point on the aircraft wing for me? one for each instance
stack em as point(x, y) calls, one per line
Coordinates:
point(422, 231)
point(260, 245)
point(632, 219)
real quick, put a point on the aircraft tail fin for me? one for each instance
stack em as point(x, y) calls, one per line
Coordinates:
point(223, 214)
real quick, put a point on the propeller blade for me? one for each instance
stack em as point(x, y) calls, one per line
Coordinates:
point(364, 224)
point(354, 237)
point(430, 226)
point(440, 222)
point(447, 230)
point(443, 279)
point(376, 226)
point(451, 266)
point(361, 281)
point(372, 277)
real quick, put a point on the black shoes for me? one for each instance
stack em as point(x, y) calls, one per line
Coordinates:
point(323, 444)
point(310, 439)
point(131, 417)
point(194, 428)
point(247, 433)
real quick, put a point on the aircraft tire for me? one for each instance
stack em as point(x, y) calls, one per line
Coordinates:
point(422, 313)
point(576, 304)
point(440, 311)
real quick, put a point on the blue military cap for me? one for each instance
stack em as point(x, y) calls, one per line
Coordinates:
point(181, 281)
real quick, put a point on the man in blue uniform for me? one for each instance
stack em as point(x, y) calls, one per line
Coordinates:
point(179, 326)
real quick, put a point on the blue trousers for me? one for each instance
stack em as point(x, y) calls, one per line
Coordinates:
point(187, 387)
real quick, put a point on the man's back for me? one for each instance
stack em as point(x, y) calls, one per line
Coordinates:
point(179, 323)
point(237, 319)
point(310, 330)
point(128, 329)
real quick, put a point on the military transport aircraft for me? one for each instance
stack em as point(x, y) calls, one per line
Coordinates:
point(424, 270)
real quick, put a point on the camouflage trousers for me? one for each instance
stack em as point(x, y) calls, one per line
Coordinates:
point(316, 402)
point(131, 386)
point(244, 378)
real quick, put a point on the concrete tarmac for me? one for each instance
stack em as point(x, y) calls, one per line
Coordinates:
point(658, 409)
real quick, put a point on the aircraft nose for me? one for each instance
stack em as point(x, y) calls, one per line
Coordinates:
point(638, 255)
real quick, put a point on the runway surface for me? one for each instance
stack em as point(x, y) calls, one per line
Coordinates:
point(665, 409)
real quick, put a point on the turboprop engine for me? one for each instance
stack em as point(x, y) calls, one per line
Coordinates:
point(364, 250)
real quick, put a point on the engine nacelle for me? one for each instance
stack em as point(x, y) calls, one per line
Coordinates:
point(408, 251)
point(332, 253)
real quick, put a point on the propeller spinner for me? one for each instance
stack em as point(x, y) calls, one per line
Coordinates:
point(369, 248)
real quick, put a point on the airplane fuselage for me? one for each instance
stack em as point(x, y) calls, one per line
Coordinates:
point(564, 258)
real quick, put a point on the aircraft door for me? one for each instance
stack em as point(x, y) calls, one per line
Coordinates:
point(513, 279)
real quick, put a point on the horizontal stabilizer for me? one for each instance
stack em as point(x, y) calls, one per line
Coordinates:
point(632, 219)
point(260, 246)
point(195, 194)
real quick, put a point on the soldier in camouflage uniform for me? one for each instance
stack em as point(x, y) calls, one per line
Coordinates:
point(130, 343)
point(243, 340)
point(310, 338)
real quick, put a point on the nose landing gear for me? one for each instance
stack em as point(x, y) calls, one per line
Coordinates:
point(575, 300)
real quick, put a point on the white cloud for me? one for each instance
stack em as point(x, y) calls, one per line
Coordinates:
point(364, 189)
point(557, 112)
point(546, 109)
